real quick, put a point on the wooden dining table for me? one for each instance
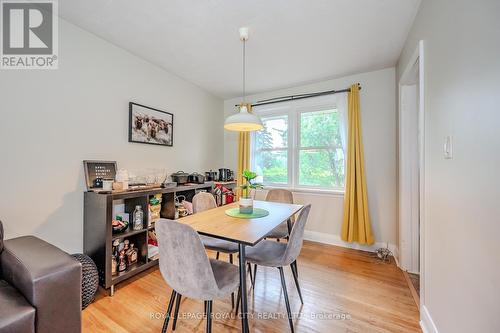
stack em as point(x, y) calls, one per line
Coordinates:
point(245, 232)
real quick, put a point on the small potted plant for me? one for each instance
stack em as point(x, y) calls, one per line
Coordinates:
point(246, 201)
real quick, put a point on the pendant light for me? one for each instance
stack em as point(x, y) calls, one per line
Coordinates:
point(243, 121)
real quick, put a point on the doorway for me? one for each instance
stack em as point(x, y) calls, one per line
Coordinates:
point(411, 172)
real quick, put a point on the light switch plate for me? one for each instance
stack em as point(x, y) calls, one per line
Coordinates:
point(448, 147)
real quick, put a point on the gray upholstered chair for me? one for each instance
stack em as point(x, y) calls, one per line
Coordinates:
point(283, 196)
point(281, 231)
point(275, 254)
point(204, 201)
point(186, 267)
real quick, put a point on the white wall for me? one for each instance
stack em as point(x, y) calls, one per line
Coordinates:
point(52, 120)
point(462, 219)
point(378, 113)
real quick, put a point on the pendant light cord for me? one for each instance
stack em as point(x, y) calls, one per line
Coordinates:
point(244, 68)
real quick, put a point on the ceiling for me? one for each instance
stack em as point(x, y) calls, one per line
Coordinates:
point(292, 42)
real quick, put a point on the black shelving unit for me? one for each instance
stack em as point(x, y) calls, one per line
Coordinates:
point(98, 236)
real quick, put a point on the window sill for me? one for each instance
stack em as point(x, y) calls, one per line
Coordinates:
point(339, 193)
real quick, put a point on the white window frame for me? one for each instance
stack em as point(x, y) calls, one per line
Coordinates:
point(276, 110)
point(293, 110)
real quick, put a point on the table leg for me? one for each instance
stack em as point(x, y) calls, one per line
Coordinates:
point(243, 287)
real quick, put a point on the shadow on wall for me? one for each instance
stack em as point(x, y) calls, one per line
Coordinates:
point(64, 227)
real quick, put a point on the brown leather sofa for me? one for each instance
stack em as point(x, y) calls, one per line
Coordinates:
point(40, 287)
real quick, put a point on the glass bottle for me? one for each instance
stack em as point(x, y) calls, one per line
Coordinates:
point(126, 242)
point(132, 254)
point(138, 218)
point(116, 245)
point(122, 266)
point(114, 265)
point(114, 257)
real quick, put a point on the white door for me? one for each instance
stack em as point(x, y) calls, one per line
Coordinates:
point(409, 193)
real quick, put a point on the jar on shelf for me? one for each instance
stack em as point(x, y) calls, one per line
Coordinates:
point(138, 218)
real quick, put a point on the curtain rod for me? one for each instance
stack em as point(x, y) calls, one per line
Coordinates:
point(301, 96)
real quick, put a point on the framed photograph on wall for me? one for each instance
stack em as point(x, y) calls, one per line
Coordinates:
point(149, 125)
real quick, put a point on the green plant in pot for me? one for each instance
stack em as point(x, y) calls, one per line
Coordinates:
point(246, 201)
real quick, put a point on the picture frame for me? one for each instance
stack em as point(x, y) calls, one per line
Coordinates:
point(150, 126)
point(98, 169)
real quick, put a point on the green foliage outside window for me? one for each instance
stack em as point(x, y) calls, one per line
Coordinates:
point(321, 158)
point(273, 164)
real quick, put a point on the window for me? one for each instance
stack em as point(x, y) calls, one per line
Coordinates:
point(271, 151)
point(300, 146)
point(321, 157)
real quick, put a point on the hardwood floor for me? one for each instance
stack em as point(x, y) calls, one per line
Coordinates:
point(344, 291)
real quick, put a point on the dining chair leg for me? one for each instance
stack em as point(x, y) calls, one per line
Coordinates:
point(176, 312)
point(250, 271)
point(205, 305)
point(254, 274)
point(296, 269)
point(208, 312)
point(217, 256)
point(232, 294)
point(169, 311)
point(238, 299)
point(293, 266)
point(287, 302)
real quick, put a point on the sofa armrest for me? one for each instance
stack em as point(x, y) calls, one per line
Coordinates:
point(48, 278)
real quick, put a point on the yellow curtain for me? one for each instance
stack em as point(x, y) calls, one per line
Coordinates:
point(356, 226)
point(243, 153)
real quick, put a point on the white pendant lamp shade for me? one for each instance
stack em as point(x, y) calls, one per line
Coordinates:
point(243, 121)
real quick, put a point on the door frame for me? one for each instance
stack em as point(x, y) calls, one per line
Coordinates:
point(418, 55)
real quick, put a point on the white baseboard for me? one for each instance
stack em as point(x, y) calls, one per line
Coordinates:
point(331, 239)
point(426, 322)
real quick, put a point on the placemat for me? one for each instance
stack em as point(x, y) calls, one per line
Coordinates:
point(257, 212)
